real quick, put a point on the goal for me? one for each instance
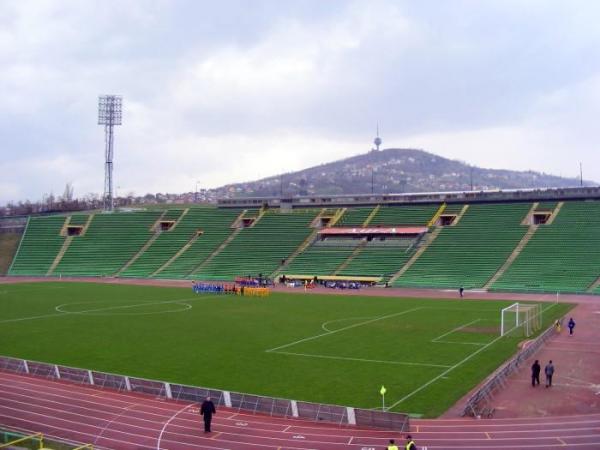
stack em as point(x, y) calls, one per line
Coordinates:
point(521, 319)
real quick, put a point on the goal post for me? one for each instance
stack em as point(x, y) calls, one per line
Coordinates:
point(521, 319)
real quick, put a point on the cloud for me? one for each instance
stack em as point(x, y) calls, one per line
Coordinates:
point(223, 92)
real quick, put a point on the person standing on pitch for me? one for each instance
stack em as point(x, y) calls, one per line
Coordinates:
point(549, 371)
point(535, 373)
point(207, 410)
point(461, 291)
point(571, 325)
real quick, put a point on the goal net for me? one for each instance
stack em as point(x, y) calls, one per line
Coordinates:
point(521, 319)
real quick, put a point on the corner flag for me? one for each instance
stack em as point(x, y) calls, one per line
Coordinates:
point(383, 390)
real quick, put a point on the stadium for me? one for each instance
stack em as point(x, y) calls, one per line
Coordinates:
point(313, 322)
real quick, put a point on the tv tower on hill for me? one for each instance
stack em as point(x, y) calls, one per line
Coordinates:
point(109, 115)
point(377, 140)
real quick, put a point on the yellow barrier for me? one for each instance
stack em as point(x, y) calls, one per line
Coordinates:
point(33, 437)
point(40, 438)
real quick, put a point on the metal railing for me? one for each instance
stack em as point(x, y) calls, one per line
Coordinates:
point(340, 415)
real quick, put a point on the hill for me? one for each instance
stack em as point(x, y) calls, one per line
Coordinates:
point(392, 170)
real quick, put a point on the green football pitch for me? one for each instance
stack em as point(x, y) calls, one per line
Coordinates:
point(322, 348)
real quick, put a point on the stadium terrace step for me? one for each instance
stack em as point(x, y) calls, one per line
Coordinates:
point(517, 251)
point(404, 215)
point(218, 250)
point(179, 219)
point(260, 249)
point(60, 254)
point(371, 216)
point(462, 212)
point(63, 230)
point(528, 219)
point(307, 242)
point(555, 213)
point(594, 286)
point(145, 247)
point(562, 256)
point(185, 245)
point(430, 239)
point(470, 252)
point(348, 260)
point(39, 246)
point(338, 215)
point(437, 215)
point(175, 256)
point(109, 241)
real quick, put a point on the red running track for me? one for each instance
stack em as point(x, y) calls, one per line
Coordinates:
point(115, 420)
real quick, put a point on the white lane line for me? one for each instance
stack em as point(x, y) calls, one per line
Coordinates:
point(162, 431)
point(344, 358)
point(455, 329)
point(446, 372)
point(310, 338)
point(111, 421)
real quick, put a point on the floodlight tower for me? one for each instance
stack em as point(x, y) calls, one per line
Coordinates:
point(109, 115)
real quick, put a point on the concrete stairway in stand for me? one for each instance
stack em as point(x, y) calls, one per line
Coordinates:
point(518, 249)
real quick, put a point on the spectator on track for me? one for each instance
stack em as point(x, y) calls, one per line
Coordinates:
point(207, 410)
point(410, 444)
point(571, 325)
point(392, 445)
point(535, 373)
point(461, 291)
point(549, 371)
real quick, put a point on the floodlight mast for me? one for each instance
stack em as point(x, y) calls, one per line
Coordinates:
point(109, 115)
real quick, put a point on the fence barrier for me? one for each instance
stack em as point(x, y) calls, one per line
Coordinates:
point(340, 415)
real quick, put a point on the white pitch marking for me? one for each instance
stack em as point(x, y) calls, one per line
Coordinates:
point(186, 307)
point(167, 424)
point(455, 329)
point(324, 324)
point(457, 342)
point(446, 372)
point(310, 338)
point(59, 314)
point(344, 358)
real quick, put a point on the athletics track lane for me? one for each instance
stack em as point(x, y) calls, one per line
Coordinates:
point(114, 420)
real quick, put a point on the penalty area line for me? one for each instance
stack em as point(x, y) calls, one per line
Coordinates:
point(455, 329)
point(310, 338)
point(379, 361)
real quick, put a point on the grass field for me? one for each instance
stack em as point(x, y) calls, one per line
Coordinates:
point(323, 348)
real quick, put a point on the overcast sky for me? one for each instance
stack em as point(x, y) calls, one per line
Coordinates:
point(225, 91)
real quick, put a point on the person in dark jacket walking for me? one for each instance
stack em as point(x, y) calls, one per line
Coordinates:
point(549, 371)
point(206, 411)
point(535, 373)
point(571, 325)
